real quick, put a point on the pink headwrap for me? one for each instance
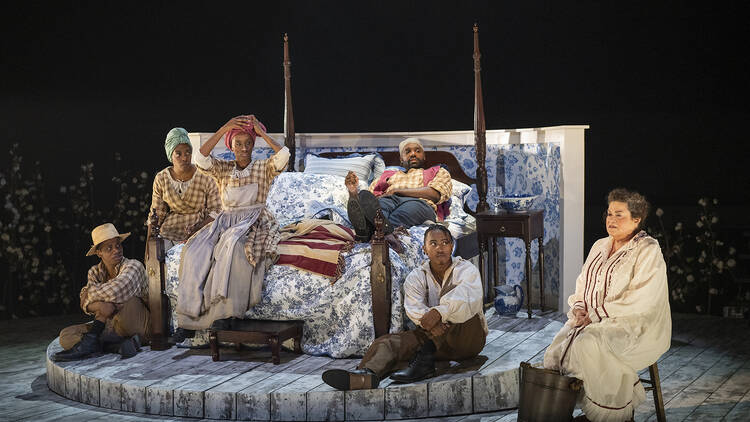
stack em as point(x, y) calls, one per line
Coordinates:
point(246, 129)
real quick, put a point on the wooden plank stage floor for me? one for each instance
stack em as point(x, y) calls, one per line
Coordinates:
point(705, 376)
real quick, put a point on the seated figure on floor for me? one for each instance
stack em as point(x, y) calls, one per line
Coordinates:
point(183, 198)
point(223, 263)
point(443, 297)
point(619, 321)
point(407, 198)
point(114, 295)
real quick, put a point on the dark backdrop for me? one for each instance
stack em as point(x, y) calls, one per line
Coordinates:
point(663, 86)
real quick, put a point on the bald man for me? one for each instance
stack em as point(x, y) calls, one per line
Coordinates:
point(407, 198)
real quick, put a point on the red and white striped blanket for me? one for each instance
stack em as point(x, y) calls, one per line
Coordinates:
point(315, 246)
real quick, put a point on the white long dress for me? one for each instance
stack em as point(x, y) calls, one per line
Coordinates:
point(626, 296)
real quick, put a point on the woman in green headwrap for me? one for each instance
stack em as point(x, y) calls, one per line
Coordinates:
point(183, 199)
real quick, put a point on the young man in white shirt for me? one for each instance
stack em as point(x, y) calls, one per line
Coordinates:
point(443, 297)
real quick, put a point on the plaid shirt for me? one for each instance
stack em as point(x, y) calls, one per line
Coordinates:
point(413, 179)
point(264, 233)
point(176, 213)
point(130, 281)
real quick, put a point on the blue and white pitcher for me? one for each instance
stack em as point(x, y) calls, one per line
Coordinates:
point(508, 299)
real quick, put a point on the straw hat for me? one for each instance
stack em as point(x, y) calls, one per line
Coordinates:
point(102, 234)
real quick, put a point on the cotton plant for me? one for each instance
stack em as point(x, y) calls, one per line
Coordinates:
point(132, 200)
point(45, 229)
point(700, 266)
point(37, 280)
point(76, 216)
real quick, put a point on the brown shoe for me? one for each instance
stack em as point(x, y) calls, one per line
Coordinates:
point(358, 379)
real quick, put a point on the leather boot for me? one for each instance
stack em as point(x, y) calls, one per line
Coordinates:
point(358, 379)
point(130, 347)
point(359, 221)
point(361, 212)
point(87, 347)
point(421, 366)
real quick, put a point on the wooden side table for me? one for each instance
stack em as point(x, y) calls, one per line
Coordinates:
point(272, 333)
point(526, 225)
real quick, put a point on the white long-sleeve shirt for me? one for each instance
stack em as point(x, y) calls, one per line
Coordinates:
point(458, 299)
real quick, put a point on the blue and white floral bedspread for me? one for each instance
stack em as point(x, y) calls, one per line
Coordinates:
point(338, 317)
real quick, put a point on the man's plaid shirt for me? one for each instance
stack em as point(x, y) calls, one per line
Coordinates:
point(130, 281)
point(414, 179)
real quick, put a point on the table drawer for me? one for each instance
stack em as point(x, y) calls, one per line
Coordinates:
point(501, 228)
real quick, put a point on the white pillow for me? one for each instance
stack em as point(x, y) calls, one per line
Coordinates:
point(294, 195)
point(361, 166)
point(378, 167)
point(460, 190)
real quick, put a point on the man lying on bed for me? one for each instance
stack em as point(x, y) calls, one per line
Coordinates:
point(407, 198)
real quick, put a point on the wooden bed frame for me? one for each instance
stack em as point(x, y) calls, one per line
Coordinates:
point(380, 272)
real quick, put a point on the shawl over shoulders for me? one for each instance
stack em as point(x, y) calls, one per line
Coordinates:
point(626, 297)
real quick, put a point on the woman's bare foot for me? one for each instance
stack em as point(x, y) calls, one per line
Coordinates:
point(394, 243)
point(352, 184)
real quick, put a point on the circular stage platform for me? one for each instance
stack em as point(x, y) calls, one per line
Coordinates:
point(245, 385)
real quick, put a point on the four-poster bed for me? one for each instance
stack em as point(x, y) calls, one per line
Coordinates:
point(381, 267)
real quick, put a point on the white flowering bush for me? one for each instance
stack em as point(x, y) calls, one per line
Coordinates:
point(132, 199)
point(42, 245)
point(36, 279)
point(700, 266)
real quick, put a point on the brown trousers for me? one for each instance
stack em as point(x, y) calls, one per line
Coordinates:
point(132, 319)
point(461, 341)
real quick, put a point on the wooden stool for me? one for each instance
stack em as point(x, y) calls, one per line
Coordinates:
point(254, 331)
point(655, 386)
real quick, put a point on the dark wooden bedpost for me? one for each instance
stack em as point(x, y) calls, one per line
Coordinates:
point(288, 113)
point(157, 301)
point(480, 143)
point(380, 279)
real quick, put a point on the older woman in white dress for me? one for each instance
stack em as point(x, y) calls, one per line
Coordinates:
point(223, 264)
point(619, 320)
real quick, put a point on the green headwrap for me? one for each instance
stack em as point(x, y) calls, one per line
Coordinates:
point(175, 137)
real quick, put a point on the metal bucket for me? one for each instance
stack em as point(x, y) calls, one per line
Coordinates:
point(546, 395)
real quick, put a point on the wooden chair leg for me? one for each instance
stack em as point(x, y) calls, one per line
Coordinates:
point(275, 349)
point(658, 399)
point(213, 341)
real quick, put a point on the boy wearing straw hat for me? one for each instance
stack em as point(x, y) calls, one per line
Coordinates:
point(114, 296)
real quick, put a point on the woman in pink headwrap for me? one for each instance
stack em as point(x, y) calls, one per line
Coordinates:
point(223, 264)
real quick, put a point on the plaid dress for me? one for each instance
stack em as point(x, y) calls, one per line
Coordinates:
point(264, 233)
point(216, 281)
point(177, 211)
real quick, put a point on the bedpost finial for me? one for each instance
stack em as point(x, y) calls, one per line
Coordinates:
point(286, 37)
point(476, 27)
